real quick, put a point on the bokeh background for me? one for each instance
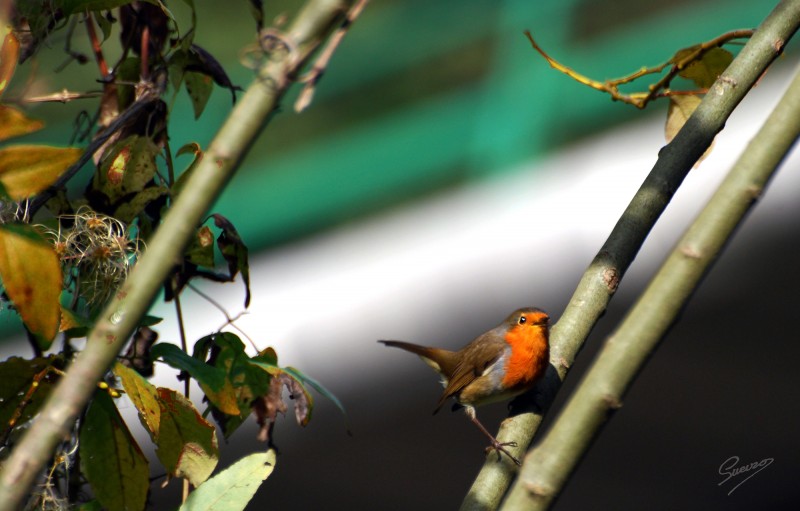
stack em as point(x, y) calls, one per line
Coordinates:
point(444, 176)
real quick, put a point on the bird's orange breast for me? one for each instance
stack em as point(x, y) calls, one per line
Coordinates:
point(530, 354)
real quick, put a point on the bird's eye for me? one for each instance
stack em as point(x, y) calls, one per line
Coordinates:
point(522, 320)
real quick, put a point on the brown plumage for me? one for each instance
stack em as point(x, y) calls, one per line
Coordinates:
point(499, 364)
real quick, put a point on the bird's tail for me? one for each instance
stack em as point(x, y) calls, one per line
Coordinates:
point(442, 361)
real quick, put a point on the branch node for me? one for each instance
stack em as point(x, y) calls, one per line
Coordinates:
point(612, 402)
point(611, 279)
point(538, 490)
point(690, 252)
point(753, 192)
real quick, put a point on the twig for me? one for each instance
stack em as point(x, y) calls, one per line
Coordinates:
point(656, 90)
point(321, 64)
point(230, 320)
point(182, 334)
point(64, 96)
point(96, 47)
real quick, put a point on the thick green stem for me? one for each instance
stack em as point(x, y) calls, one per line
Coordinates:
point(115, 325)
point(550, 464)
point(599, 282)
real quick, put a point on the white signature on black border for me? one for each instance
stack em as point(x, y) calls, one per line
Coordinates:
point(730, 470)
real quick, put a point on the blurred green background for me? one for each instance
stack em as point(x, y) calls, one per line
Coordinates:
point(420, 97)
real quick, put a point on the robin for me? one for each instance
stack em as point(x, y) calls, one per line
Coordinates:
point(499, 364)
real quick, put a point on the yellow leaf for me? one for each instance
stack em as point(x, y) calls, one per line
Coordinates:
point(14, 123)
point(224, 398)
point(31, 275)
point(704, 71)
point(680, 109)
point(26, 170)
point(144, 397)
point(70, 320)
point(9, 53)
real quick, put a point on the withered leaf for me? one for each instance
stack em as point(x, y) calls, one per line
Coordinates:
point(234, 251)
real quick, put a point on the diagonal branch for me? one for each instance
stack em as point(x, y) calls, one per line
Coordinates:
point(599, 282)
point(115, 325)
point(549, 465)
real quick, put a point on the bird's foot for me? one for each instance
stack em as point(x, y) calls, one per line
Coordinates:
point(499, 447)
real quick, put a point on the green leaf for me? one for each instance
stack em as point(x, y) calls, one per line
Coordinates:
point(129, 167)
point(193, 148)
point(31, 275)
point(268, 357)
point(105, 27)
point(223, 356)
point(14, 123)
point(72, 325)
point(201, 250)
point(111, 459)
point(204, 62)
point(199, 87)
point(205, 374)
point(186, 443)
point(234, 487)
point(144, 397)
point(127, 74)
point(26, 170)
point(15, 385)
point(92, 505)
point(189, 37)
point(129, 209)
point(176, 66)
point(149, 320)
point(244, 382)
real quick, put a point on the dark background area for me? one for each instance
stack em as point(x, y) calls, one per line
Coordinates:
point(723, 383)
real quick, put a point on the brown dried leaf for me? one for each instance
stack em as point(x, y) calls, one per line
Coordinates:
point(680, 109)
point(266, 409)
point(300, 397)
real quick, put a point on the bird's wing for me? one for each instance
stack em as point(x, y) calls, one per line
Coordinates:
point(475, 358)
